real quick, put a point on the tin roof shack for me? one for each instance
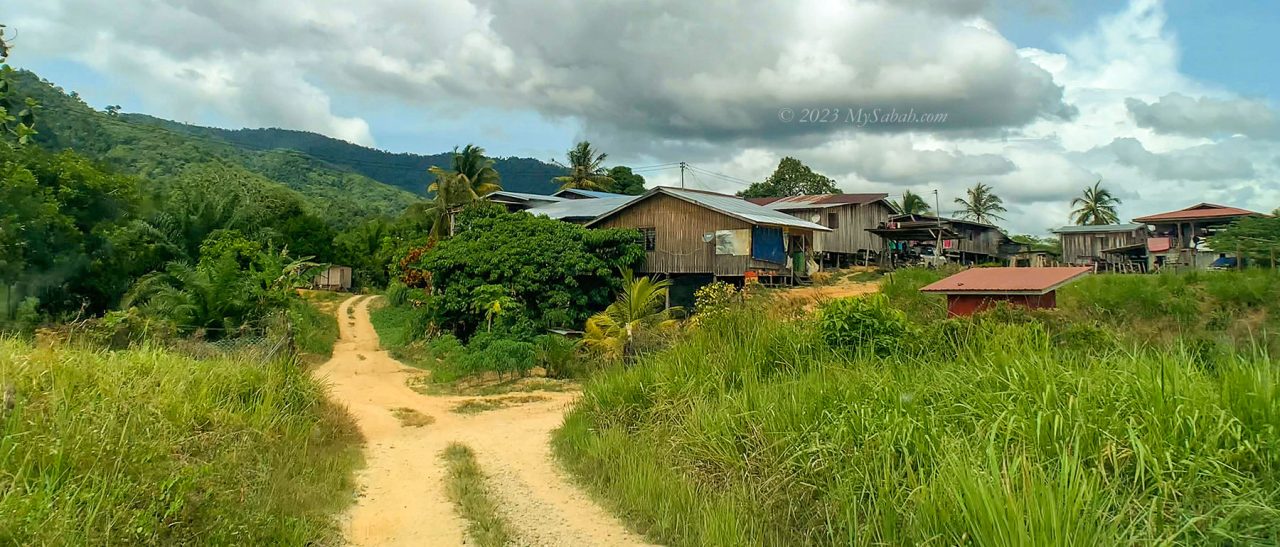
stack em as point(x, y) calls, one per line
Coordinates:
point(713, 235)
point(333, 278)
point(976, 289)
point(963, 241)
point(849, 216)
point(1108, 245)
point(1185, 230)
point(517, 201)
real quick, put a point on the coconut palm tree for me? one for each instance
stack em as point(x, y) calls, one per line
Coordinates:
point(912, 204)
point(640, 308)
point(982, 205)
point(469, 176)
point(586, 169)
point(473, 168)
point(1096, 207)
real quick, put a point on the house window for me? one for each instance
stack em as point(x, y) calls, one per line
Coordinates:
point(833, 220)
point(650, 238)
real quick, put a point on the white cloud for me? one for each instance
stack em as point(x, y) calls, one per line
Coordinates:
point(654, 81)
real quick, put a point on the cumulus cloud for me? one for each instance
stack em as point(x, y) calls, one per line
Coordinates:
point(702, 70)
point(1206, 162)
point(656, 81)
point(1206, 116)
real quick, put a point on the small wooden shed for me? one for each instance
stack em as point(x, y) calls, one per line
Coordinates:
point(333, 278)
point(976, 289)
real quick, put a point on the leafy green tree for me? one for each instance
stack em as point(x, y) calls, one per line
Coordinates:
point(1257, 238)
point(1096, 207)
point(625, 182)
point(586, 169)
point(1047, 244)
point(791, 178)
point(551, 269)
point(912, 204)
point(981, 205)
point(17, 116)
point(640, 309)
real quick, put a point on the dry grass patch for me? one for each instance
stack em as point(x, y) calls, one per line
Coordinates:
point(476, 406)
point(412, 418)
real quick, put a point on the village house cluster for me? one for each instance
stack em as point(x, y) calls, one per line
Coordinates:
point(694, 237)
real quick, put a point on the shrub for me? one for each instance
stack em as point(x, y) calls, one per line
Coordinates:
point(397, 294)
point(714, 298)
point(863, 322)
point(558, 356)
point(503, 356)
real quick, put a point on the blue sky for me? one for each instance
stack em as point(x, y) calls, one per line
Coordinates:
point(1164, 100)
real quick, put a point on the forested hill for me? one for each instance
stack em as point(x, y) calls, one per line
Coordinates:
point(162, 154)
point(405, 171)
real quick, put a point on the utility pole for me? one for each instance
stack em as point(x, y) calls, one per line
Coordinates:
point(683, 165)
point(937, 215)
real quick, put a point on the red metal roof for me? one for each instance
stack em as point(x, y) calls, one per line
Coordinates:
point(1007, 280)
point(1196, 212)
point(822, 199)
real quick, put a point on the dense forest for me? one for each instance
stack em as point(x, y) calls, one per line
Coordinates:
point(402, 170)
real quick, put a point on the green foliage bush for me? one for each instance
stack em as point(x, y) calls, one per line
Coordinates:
point(559, 357)
point(546, 266)
point(863, 323)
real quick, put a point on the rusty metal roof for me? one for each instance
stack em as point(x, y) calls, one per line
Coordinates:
point(1200, 211)
point(817, 201)
point(1007, 280)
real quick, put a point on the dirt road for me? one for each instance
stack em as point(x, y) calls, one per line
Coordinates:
point(402, 494)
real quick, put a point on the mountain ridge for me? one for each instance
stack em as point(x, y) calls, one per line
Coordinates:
point(404, 170)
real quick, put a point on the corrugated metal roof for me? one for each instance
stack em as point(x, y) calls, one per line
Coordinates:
point(1099, 229)
point(1196, 212)
point(741, 208)
point(579, 208)
point(590, 193)
point(524, 196)
point(816, 201)
point(729, 205)
point(1007, 280)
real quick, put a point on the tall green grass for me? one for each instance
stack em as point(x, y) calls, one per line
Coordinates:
point(754, 432)
point(149, 447)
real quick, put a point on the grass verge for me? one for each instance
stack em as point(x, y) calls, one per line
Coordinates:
point(466, 488)
point(149, 447)
point(755, 432)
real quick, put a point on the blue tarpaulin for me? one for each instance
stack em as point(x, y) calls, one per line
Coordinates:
point(766, 245)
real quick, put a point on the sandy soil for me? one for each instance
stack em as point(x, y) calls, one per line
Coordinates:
point(813, 295)
point(402, 498)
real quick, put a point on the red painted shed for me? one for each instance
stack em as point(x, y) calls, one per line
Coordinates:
point(973, 290)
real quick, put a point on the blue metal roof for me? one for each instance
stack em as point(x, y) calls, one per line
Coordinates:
point(526, 197)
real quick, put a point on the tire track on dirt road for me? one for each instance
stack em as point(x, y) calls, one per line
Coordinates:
point(402, 489)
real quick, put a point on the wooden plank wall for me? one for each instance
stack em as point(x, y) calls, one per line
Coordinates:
point(851, 237)
point(679, 247)
point(1078, 248)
